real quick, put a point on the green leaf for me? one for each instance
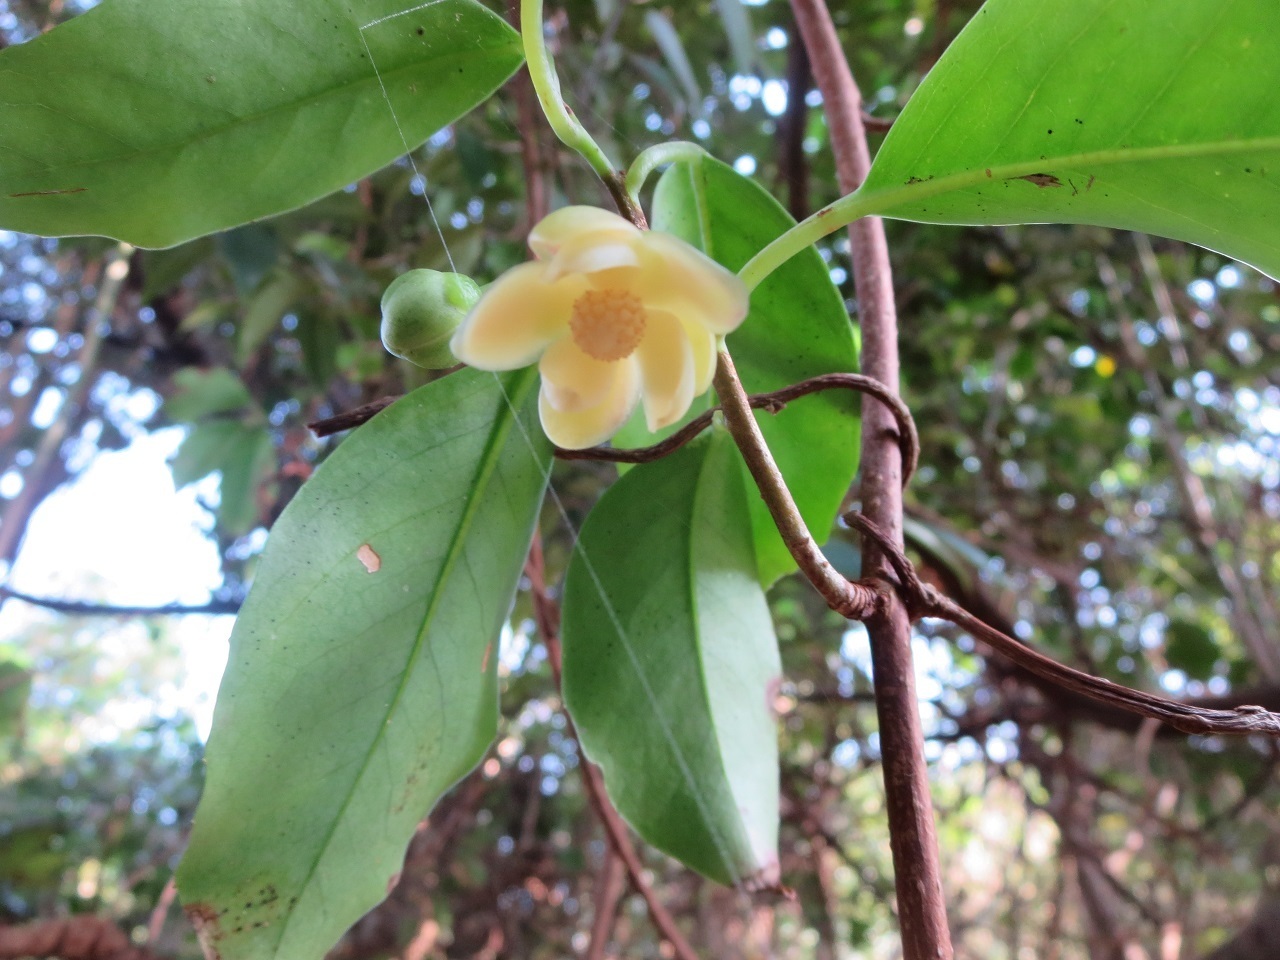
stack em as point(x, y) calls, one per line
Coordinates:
point(740, 33)
point(798, 328)
point(319, 337)
point(15, 690)
point(243, 456)
point(266, 308)
point(158, 122)
point(203, 393)
point(251, 251)
point(162, 270)
point(1190, 647)
point(668, 40)
point(1160, 117)
point(362, 678)
point(670, 660)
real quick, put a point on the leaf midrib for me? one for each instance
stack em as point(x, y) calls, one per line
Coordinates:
point(882, 201)
point(484, 473)
point(338, 91)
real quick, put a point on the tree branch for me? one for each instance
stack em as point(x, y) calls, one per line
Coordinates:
point(773, 402)
point(856, 601)
point(922, 909)
point(86, 609)
point(924, 601)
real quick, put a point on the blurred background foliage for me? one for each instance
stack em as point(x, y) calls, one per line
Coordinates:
point(1100, 416)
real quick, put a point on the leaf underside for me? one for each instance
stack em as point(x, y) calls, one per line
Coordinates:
point(670, 661)
point(362, 677)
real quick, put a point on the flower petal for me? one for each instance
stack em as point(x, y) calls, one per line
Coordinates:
point(515, 319)
point(564, 224)
point(578, 429)
point(685, 280)
point(573, 380)
point(703, 344)
point(666, 370)
point(591, 253)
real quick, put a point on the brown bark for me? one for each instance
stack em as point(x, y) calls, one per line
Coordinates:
point(83, 937)
point(921, 907)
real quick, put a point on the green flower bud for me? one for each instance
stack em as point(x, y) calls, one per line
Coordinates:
point(420, 311)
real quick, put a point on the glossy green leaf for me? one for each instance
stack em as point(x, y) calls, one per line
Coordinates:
point(362, 677)
point(159, 122)
point(798, 328)
point(1160, 117)
point(670, 661)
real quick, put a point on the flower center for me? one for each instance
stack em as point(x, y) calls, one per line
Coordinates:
point(607, 324)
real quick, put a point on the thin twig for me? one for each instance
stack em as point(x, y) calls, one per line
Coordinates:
point(82, 608)
point(924, 601)
point(606, 894)
point(773, 402)
point(351, 418)
point(155, 925)
point(876, 124)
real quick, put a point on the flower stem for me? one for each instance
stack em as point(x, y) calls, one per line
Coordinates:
point(547, 85)
point(656, 156)
point(856, 601)
point(828, 220)
point(566, 126)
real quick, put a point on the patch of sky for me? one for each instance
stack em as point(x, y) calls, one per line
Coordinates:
point(774, 97)
point(1202, 291)
point(1083, 356)
point(136, 541)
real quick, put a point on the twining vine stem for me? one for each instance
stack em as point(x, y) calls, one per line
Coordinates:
point(773, 402)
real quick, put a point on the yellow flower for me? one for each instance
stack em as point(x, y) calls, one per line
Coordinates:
point(616, 314)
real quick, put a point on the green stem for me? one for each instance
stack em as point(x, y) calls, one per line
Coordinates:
point(835, 216)
point(659, 155)
point(547, 85)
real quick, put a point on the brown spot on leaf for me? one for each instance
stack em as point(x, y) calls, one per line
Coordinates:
point(484, 664)
point(47, 193)
point(1040, 179)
